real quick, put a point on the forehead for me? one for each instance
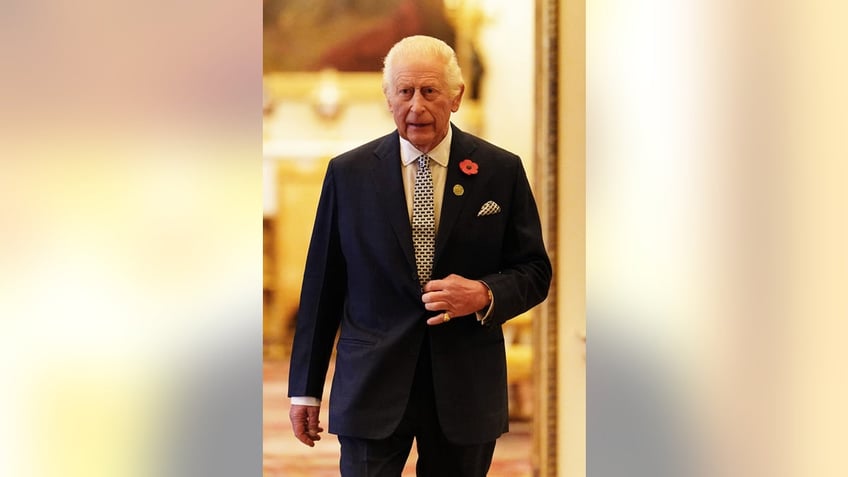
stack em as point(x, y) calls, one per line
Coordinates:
point(418, 71)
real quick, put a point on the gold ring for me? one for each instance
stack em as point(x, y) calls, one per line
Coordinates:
point(447, 317)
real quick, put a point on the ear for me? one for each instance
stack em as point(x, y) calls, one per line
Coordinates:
point(457, 99)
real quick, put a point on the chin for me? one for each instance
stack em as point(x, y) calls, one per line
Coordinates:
point(417, 139)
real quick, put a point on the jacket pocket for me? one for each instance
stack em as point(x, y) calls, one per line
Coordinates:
point(355, 342)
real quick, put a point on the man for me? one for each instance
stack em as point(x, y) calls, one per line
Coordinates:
point(426, 240)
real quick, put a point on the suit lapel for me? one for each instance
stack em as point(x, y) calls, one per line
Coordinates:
point(462, 145)
point(388, 182)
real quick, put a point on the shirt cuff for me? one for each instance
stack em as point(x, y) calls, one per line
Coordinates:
point(305, 401)
point(483, 315)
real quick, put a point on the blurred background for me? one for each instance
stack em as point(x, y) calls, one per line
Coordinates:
point(702, 142)
point(322, 95)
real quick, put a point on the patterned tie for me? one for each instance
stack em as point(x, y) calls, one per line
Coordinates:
point(423, 220)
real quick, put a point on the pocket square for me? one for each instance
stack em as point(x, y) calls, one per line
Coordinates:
point(489, 208)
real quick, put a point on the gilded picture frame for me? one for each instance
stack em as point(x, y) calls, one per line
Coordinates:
point(545, 331)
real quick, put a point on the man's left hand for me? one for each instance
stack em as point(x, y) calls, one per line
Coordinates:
point(454, 296)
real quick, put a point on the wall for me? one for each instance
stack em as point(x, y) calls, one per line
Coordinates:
point(571, 253)
point(507, 47)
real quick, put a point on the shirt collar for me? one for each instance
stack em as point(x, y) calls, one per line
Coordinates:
point(440, 154)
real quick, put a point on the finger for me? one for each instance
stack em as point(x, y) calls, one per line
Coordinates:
point(437, 320)
point(313, 423)
point(304, 438)
point(298, 425)
point(437, 306)
point(436, 295)
point(302, 435)
point(433, 295)
point(307, 437)
point(312, 417)
point(434, 285)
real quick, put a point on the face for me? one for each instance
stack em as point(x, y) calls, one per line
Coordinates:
point(420, 102)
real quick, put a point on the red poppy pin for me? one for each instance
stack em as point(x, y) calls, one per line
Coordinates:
point(468, 166)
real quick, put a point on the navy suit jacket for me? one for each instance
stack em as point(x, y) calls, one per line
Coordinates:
point(361, 281)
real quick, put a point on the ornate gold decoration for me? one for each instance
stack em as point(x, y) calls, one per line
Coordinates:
point(546, 173)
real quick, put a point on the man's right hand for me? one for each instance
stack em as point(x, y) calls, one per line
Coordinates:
point(304, 420)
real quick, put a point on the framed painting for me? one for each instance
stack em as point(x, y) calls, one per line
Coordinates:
point(345, 35)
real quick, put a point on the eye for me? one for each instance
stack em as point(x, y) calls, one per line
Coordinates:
point(404, 92)
point(428, 91)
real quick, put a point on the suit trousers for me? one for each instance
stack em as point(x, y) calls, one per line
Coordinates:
point(437, 457)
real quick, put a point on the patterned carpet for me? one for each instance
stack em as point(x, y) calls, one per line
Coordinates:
point(285, 456)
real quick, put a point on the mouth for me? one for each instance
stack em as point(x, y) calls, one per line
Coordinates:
point(417, 125)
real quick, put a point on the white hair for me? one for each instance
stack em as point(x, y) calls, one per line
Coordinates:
point(427, 46)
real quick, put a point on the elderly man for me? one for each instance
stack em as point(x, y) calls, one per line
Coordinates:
point(425, 241)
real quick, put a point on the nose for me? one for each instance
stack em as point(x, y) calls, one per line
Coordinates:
point(417, 102)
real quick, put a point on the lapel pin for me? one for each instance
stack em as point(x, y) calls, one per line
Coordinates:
point(458, 190)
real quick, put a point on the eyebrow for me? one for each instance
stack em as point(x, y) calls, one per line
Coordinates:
point(404, 84)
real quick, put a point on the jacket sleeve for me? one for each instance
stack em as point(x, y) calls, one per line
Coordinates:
point(525, 276)
point(321, 301)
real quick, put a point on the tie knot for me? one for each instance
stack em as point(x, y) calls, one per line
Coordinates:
point(423, 161)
